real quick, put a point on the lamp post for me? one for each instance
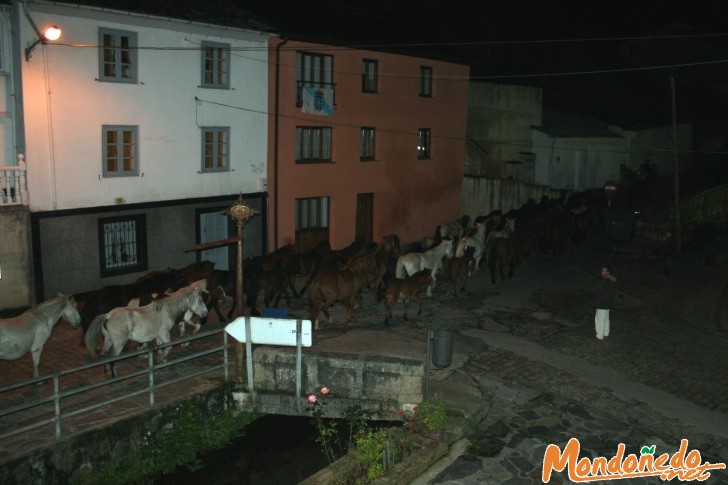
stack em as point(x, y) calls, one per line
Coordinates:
point(240, 214)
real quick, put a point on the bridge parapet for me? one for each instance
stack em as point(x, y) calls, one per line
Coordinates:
point(375, 382)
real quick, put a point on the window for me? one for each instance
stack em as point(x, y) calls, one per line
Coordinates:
point(313, 144)
point(312, 213)
point(423, 144)
point(122, 244)
point(121, 151)
point(425, 81)
point(215, 149)
point(369, 76)
point(313, 70)
point(117, 56)
point(215, 65)
point(366, 150)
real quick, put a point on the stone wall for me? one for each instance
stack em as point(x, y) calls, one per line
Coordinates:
point(381, 384)
point(16, 268)
point(481, 195)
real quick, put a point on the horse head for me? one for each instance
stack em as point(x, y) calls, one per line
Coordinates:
point(70, 311)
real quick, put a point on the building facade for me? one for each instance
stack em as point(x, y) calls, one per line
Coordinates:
point(140, 131)
point(362, 144)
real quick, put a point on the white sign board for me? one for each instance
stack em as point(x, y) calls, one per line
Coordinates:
point(270, 331)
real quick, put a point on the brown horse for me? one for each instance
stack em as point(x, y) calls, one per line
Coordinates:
point(408, 289)
point(330, 287)
point(372, 266)
point(457, 270)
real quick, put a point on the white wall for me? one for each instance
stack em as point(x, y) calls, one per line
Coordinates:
point(578, 163)
point(66, 106)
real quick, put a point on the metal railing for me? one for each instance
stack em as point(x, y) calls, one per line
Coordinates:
point(14, 183)
point(33, 413)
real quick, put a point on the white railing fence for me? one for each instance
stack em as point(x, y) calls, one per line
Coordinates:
point(14, 183)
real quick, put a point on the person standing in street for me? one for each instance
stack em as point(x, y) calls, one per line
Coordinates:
point(606, 296)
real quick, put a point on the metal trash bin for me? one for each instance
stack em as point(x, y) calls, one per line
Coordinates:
point(442, 348)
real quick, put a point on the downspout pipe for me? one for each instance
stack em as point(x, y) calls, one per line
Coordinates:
point(275, 141)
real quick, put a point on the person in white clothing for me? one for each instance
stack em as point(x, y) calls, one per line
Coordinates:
point(601, 319)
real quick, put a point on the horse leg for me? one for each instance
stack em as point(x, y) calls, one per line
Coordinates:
point(419, 302)
point(163, 338)
point(406, 304)
point(36, 360)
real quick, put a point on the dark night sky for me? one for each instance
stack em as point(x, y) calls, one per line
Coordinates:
point(623, 77)
point(543, 44)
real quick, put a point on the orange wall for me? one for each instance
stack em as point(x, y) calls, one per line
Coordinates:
point(411, 196)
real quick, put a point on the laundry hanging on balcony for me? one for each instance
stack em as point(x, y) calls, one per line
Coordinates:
point(318, 100)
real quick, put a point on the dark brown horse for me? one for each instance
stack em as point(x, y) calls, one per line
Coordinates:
point(330, 287)
point(373, 266)
point(456, 270)
point(407, 289)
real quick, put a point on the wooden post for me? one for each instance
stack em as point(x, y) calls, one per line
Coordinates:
point(239, 303)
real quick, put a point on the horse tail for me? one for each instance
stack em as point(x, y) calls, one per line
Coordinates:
point(92, 335)
point(400, 271)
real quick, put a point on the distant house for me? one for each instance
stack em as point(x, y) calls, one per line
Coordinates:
point(362, 144)
point(141, 128)
point(577, 152)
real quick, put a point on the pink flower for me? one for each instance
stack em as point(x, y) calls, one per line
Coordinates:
point(325, 391)
point(312, 399)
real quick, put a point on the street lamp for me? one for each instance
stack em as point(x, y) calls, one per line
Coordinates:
point(240, 214)
point(52, 32)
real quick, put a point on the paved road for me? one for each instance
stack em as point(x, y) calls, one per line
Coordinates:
point(527, 347)
point(526, 372)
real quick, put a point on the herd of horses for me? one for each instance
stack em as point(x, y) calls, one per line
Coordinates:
point(147, 309)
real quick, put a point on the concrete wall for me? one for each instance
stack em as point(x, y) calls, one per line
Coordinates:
point(16, 268)
point(372, 383)
point(482, 195)
point(500, 117)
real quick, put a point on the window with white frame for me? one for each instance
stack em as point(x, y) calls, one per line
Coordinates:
point(215, 149)
point(366, 141)
point(120, 145)
point(313, 144)
point(423, 144)
point(118, 56)
point(369, 76)
point(215, 65)
point(122, 244)
point(426, 81)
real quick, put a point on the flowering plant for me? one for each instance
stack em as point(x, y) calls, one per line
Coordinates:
point(410, 417)
point(328, 434)
point(429, 415)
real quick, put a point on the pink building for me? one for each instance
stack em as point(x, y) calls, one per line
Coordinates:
point(362, 143)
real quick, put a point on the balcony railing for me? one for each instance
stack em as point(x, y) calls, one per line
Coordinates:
point(14, 183)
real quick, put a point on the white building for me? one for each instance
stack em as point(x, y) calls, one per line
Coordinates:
point(140, 130)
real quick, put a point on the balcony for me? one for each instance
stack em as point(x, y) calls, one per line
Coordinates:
point(14, 183)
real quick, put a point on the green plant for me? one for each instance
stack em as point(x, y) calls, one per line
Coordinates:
point(329, 435)
point(369, 452)
point(433, 414)
point(178, 442)
point(430, 415)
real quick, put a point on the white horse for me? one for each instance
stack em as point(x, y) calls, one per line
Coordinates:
point(411, 263)
point(477, 242)
point(30, 331)
point(146, 323)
